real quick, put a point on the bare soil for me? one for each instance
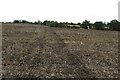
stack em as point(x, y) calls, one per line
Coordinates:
point(31, 51)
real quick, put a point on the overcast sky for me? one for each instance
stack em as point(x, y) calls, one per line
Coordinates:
point(59, 10)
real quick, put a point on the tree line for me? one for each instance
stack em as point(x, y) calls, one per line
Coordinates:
point(98, 25)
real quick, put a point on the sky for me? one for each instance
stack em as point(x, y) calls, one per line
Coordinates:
point(59, 10)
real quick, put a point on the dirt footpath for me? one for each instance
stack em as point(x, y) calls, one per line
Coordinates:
point(31, 51)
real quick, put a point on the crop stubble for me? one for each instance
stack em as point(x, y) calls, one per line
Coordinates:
point(44, 52)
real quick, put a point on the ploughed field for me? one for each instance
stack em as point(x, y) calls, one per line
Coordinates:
point(30, 51)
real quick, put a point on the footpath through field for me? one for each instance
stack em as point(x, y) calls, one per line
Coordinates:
point(60, 62)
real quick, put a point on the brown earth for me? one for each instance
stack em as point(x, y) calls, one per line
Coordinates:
point(31, 51)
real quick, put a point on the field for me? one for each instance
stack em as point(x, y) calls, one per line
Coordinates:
point(31, 51)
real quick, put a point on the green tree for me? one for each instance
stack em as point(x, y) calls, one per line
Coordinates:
point(114, 25)
point(45, 22)
point(24, 21)
point(86, 24)
point(17, 21)
point(99, 25)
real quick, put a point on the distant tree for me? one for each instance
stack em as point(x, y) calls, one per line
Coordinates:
point(55, 24)
point(51, 23)
point(114, 25)
point(35, 22)
point(24, 21)
point(48, 23)
point(71, 23)
point(17, 21)
point(86, 24)
point(45, 22)
point(61, 24)
point(99, 25)
point(78, 23)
